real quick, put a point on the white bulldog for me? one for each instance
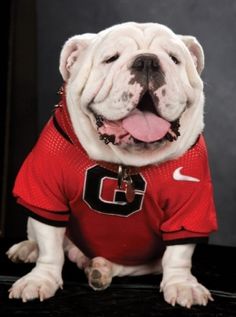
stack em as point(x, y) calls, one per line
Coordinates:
point(119, 178)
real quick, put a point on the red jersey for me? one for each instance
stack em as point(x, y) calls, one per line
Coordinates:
point(60, 185)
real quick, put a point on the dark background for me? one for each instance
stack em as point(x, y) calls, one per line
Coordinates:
point(33, 40)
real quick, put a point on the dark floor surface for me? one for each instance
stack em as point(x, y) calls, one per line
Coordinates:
point(214, 266)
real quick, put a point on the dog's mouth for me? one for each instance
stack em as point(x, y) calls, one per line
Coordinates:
point(142, 125)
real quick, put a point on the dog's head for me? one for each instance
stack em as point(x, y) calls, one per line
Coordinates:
point(134, 92)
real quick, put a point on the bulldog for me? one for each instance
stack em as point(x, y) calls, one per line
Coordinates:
point(119, 178)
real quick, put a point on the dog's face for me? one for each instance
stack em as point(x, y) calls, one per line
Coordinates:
point(134, 92)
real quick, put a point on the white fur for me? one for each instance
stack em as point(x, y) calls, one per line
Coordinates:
point(101, 86)
point(93, 83)
point(46, 243)
point(45, 278)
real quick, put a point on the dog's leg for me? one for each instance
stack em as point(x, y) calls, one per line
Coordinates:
point(25, 251)
point(75, 254)
point(178, 284)
point(100, 271)
point(45, 278)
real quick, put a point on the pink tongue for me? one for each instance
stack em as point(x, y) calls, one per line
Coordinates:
point(146, 126)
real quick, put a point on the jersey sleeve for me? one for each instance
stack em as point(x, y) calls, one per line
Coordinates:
point(38, 185)
point(189, 209)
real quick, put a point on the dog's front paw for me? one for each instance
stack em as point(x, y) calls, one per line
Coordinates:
point(25, 251)
point(99, 273)
point(33, 285)
point(186, 294)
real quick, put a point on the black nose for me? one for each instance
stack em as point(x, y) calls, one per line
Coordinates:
point(145, 63)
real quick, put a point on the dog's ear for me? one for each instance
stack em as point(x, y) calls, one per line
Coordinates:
point(71, 50)
point(196, 51)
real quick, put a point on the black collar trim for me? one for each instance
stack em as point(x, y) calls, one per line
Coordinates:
point(60, 130)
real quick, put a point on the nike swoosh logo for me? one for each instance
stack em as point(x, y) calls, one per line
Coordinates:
point(178, 176)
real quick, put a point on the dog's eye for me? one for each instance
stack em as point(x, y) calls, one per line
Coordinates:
point(112, 59)
point(174, 59)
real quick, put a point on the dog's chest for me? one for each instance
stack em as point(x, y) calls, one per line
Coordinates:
point(104, 223)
